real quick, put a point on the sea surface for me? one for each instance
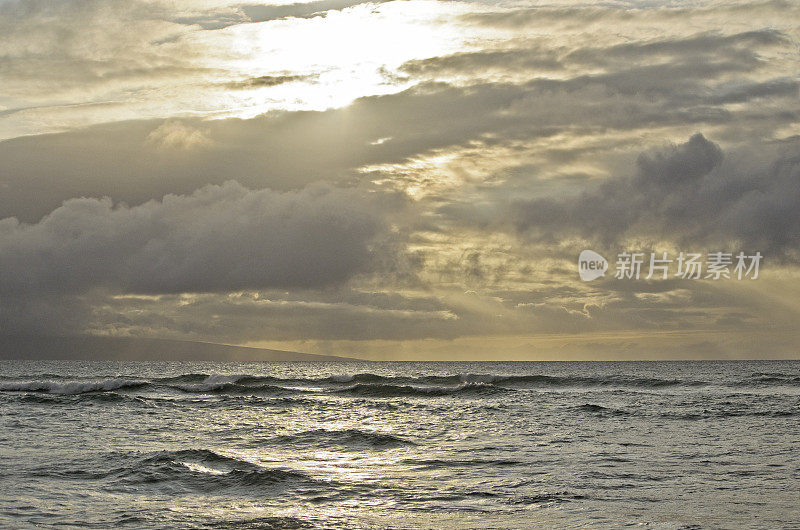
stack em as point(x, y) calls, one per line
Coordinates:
point(400, 445)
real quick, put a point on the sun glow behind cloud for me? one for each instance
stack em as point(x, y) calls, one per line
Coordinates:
point(173, 69)
point(345, 54)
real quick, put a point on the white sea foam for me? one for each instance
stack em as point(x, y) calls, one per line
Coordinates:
point(211, 383)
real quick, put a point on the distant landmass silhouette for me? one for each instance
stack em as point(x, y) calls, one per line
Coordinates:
point(91, 347)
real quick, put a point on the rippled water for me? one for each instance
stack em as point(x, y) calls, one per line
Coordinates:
point(433, 445)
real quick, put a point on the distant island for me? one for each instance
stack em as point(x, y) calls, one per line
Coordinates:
point(91, 347)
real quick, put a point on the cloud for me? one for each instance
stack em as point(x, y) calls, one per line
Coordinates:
point(519, 133)
point(217, 239)
point(268, 81)
point(528, 60)
point(262, 13)
point(177, 135)
point(686, 194)
point(289, 150)
point(72, 47)
point(733, 82)
point(330, 314)
point(734, 46)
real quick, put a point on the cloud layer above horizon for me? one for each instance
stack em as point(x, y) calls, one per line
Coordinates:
point(399, 179)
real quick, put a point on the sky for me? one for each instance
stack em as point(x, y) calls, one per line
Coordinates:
point(402, 179)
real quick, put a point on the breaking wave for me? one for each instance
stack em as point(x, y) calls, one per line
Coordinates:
point(364, 384)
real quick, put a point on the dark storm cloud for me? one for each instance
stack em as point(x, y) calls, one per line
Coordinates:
point(685, 193)
point(51, 314)
point(220, 238)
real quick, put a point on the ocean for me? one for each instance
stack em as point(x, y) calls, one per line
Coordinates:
point(400, 444)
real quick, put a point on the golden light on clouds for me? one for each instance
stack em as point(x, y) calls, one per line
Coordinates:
point(365, 176)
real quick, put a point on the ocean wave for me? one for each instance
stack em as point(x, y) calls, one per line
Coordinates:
point(498, 380)
point(202, 382)
point(390, 390)
point(759, 380)
point(70, 387)
point(205, 470)
point(594, 381)
point(538, 380)
point(600, 410)
point(264, 523)
point(89, 397)
point(45, 375)
point(183, 378)
point(357, 378)
point(348, 438)
point(366, 384)
point(189, 470)
point(234, 388)
point(437, 463)
point(722, 414)
point(546, 498)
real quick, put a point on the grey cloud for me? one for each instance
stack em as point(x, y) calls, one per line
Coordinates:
point(288, 150)
point(275, 316)
point(533, 59)
point(736, 51)
point(781, 88)
point(579, 17)
point(219, 238)
point(220, 18)
point(63, 268)
point(686, 194)
point(213, 19)
point(731, 46)
point(268, 81)
point(52, 47)
point(50, 314)
point(262, 13)
point(279, 150)
point(521, 18)
point(252, 13)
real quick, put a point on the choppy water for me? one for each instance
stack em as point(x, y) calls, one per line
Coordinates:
point(433, 445)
